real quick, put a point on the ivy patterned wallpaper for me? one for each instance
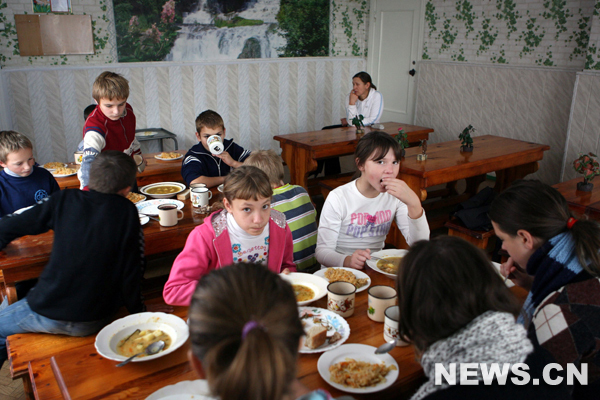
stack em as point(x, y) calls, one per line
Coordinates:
point(553, 33)
point(349, 27)
point(593, 53)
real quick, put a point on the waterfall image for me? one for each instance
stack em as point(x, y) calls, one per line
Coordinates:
point(199, 30)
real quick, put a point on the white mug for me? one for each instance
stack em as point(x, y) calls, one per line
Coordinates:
point(168, 214)
point(200, 196)
point(390, 328)
point(380, 298)
point(340, 298)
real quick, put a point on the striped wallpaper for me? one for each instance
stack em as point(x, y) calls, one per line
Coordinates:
point(258, 99)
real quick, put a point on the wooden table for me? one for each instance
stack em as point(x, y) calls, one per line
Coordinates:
point(510, 159)
point(155, 171)
point(25, 258)
point(301, 151)
point(583, 203)
point(88, 375)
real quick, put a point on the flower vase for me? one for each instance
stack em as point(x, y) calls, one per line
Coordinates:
point(585, 186)
point(466, 149)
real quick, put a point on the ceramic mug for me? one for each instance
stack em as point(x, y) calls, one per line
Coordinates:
point(390, 328)
point(168, 214)
point(200, 196)
point(340, 298)
point(78, 156)
point(380, 298)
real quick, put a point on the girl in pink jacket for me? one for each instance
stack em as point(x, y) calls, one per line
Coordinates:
point(247, 230)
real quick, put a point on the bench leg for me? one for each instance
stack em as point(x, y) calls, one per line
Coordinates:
point(28, 388)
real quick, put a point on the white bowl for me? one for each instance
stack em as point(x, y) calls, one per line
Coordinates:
point(181, 187)
point(316, 283)
point(109, 337)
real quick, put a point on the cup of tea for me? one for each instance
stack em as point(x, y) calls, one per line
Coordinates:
point(390, 327)
point(340, 298)
point(168, 214)
point(380, 298)
point(200, 196)
point(78, 156)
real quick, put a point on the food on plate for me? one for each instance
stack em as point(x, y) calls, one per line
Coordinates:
point(389, 264)
point(303, 293)
point(315, 336)
point(338, 274)
point(335, 337)
point(135, 197)
point(64, 171)
point(163, 189)
point(138, 341)
point(53, 165)
point(359, 374)
point(169, 154)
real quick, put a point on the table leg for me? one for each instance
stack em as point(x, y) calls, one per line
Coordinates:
point(506, 177)
point(300, 164)
point(11, 293)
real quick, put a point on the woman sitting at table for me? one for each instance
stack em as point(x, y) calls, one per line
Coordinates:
point(456, 309)
point(556, 257)
point(245, 333)
point(364, 99)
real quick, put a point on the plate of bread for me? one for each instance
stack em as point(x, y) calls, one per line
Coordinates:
point(325, 330)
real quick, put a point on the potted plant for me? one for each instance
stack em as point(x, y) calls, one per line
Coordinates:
point(402, 139)
point(586, 165)
point(358, 123)
point(466, 139)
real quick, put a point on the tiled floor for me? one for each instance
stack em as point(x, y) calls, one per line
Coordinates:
point(9, 389)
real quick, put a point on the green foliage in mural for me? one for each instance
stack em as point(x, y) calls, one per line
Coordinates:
point(9, 35)
point(41, 7)
point(305, 27)
point(508, 14)
point(590, 62)
point(486, 36)
point(431, 17)
point(448, 35)
point(597, 8)
point(460, 56)
point(547, 62)
point(425, 55)
point(556, 11)
point(532, 37)
point(581, 37)
point(236, 21)
point(466, 14)
point(500, 59)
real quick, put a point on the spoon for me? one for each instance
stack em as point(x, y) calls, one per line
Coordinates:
point(386, 347)
point(152, 349)
point(149, 216)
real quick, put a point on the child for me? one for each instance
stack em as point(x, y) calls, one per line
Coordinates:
point(357, 216)
point(244, 328)
point(456, 310)
point(199, 165)
point(295, 203)
point(111, 126)
point(22, 182)
point(97, 256)
point(555, 256)
point(247, 230)
point(364, 99)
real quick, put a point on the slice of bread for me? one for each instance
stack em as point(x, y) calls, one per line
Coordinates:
point(315, 336)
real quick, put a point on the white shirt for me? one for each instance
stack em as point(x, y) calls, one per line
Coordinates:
point(370, 108)
point(350, 221)
point(247, 247)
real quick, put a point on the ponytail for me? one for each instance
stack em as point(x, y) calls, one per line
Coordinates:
point(365, 78)
point(586, 234)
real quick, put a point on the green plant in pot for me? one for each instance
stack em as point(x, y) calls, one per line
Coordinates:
point(466, 140)
point(402, 139)
point(586, 165)
point(358, 123)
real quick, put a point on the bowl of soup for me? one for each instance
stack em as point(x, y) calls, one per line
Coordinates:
point(307, 287)
point(163, 190)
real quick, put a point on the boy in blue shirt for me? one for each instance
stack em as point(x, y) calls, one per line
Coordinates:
point(22, 181)
point(199, 165)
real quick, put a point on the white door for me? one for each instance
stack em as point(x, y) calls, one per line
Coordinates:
point(394, 46)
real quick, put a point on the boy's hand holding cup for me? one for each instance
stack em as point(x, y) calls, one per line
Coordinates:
point(140, 162)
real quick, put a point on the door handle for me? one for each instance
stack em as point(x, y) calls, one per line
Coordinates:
point(412, 72)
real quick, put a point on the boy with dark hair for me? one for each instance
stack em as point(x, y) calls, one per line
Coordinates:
point(97, 257)
point(295, 203)
point(22, 181)
point(111, 125)
point(199, 164)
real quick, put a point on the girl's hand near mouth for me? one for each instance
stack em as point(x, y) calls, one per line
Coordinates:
point(400, 190)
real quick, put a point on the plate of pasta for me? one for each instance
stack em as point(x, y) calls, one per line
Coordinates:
point(354, 276)
point(64, 172)
point(51, 166)
point(168, 156)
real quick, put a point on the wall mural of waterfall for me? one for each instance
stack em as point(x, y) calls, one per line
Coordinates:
point(199, 30)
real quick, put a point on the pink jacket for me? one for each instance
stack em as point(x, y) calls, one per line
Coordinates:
point(208, 247)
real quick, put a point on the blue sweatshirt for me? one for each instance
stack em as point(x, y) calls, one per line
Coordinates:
point(17, 192)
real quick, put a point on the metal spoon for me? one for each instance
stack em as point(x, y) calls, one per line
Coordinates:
point(152, 349)
point(386, 347)
point(149, 216)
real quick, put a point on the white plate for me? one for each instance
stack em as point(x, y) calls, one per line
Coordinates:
point(359, 352)
point(149, 207)
point(63, 176)
point(145, 134)
point(358, 274)
point(181, 186)
point(509, 283)
point(316, 283)
point(185, 390)
point(21, 210)
point(220, 188)
point(52, 169)
point(383, 254)
point(158, 157)
point(110, 336)
point(144, 219)
point(336, 321)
